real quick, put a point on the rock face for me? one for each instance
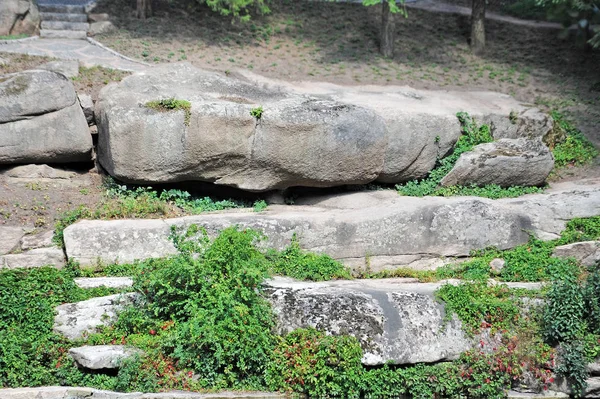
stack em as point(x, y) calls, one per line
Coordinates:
point(74, 320)
point(9, 238)
point(69, 68)
point(394, 322)
point(101, 357)
point(18, 16)
point(34, 258)
point(321, 140)
point(506, 162)
point(382, 225)
point(587, 252)
point(41, 120)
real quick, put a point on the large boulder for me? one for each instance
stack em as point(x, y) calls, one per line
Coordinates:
point(18, 17)
point(506, 162)
point(41, 120)
point(587, 252)
point(328, 138)
point(394, 322)
point(382, 226)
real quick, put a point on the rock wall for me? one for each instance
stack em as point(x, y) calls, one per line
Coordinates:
point(19, 16)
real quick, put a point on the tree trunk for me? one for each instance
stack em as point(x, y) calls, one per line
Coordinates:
point(144, 9)
point(388, 31)
point(478, 26)
point(587, 35)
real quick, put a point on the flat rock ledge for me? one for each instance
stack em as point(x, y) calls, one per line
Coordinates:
point(388, 229)
point(91, 393)
point(586, 252)
point(101, 357)
point(108, 282)
point(320, 136)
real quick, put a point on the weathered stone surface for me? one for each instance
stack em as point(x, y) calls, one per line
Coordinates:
point(537, 395)
point(394, 322)
point(109, 282)
point(9, 238)
point(18, 16)
point(91, 393)
point(38, 240)
point(592, 391)
point(74, 320)
point(98, 17)
point(36, 172)
point(69, 68)
point(373, 224)
point(327, 138)
point(100, 27)
point(587, 252)
point(35, 258)
point(506, 162)
point(87, 105)
point(40, 120)
point(101, 356)
point(497, 265)
point(594, 368)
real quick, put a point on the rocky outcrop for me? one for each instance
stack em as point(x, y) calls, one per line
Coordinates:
point(101, 357)
point(75, 320)
point(587, 252)
point(381, 225)
point(506, 162)
point(41, 120)
point(91, 393)
point(394, 322)
point(18, 17)
point(323, 139)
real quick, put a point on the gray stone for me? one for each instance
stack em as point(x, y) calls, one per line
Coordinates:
point(537, 395)
point(109, 282)
point(65, 25)
point(69, 68)
point(101, 27)
point(497, 265)
point(587, 253)
point(9, 238)
point(87, 105)
point(40, 120)
point(34, 258)
point(506, 162)
point(394, 322)
point(24, 95)
point(355, 226)
point(18, 17)
point(63, 34)
point(594, 368)
point(91, 393)
point(323, 139)
point(75, 320)
point(38, 240)
point(592, 391)
point(98, 17)
point(101, 357)
point(36, 172)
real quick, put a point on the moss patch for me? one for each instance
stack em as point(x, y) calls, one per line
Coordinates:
point(171, 104)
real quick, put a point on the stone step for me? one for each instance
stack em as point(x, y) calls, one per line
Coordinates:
point(65, 25)
point(59, 16)
point(63, 34)
point(109, 282)
point(62, 8)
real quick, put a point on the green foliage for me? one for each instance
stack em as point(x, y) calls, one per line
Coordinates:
point(260, 206)
point(477, 303)
point(257, 112)
point(172, 104)
point(581, 13)
point(302, 265)
point(576, 149)
point(310, 362)
point(238, 9)
point(471, 136)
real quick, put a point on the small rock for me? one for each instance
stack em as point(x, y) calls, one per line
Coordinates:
point(39, 240)
point(69, 68)
point(98, 28)
point(9, 238)
point(85, 100)
point(109, 282)
point(35, 258)
point(74, 320)
point(497, 264)
point(587, 252)
point(101, 356)
point(98, 17)
point(37, 172)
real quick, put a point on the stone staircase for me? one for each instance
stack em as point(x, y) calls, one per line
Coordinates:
point(66, 19)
